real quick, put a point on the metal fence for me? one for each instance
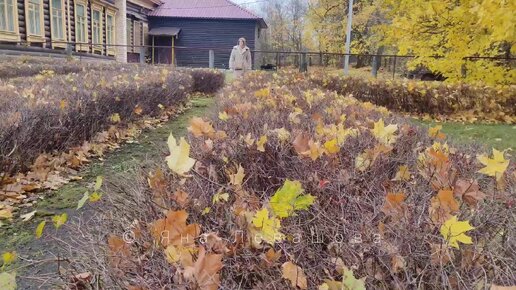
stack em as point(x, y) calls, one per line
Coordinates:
point(388, 65)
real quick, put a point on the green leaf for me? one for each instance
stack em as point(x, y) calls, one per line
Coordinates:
point(8, 281)
point(350, 282)
point(94, 197)
point(290, 198)
point(39, 229)
point(59, 220)
point(83, 200)
point(98, 183)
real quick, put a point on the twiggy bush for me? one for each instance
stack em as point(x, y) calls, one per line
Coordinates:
point(458, 102)
point(298, 186)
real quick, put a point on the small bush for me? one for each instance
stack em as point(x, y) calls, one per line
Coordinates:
point(460, 102)
point(370, 216)
point(55, 112)
point(207, 81)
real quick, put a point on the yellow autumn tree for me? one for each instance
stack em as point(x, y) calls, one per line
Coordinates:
point(453, 31)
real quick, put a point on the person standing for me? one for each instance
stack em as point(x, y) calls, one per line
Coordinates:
point(240, 59)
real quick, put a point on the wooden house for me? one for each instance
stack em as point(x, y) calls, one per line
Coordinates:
point(93, 27)
point(192, 27)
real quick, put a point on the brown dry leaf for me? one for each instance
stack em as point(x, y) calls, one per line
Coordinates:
point(181, 197)
point(294, 274)
point(119, 251)
point(6, 212)
point(398, 263)
point(199, 127)
point(173, 230)
point(138, 110)
point(469, 191)
point(158, 183)
point(270, 257)
point(214, 243)
point(395, 205)
point(205, 271)
point(237, 178)
point(442, 206)
point(81, 278)
point(440, 254)
point(300, 144)
point(245, 201)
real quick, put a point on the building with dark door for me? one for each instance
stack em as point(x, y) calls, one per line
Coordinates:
point(185, 30)
point(125, 30)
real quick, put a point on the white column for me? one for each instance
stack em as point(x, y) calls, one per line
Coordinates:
point(121, 30)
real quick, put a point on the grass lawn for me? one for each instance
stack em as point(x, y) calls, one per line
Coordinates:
point(499, 136)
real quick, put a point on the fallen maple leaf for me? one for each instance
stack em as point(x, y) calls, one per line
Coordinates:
point(290, 198)
point(403, 174)
point(395, 205)
point(268, 228)
point(173, 230)
point(39, 229)
point(179, 160)
point(294, 274)
point(469, 191)
point(443, 206)
point(495, 166)
point(237, 178)
point(454, 231)
point(383, 134)
point(205, 271)
point(260, 144)
point(59, 220)
point(199, 127)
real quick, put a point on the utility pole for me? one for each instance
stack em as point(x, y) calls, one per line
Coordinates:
point(348, 37)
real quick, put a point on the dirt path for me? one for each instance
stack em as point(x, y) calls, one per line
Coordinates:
point(39, 260)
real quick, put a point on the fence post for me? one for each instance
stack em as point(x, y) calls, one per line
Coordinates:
point(211, 58)
point(303, 64)
point(277, 60)
point(394, 68)
point(68, 49)
point(463, 69)
point(142, 55)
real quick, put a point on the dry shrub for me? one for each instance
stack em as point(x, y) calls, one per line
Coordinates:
point(207, 81)
point(460, 102)
point(348, 222)
point(51, 113)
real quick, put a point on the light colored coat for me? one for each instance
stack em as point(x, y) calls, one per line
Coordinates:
point(240, 58)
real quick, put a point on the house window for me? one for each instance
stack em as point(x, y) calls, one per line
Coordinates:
point(110, 32)
point(34, 20)
point(7, 15)
point(129, 33)
point(57, 21)
point(96, 29)
point(137, 35)
point(81, 27)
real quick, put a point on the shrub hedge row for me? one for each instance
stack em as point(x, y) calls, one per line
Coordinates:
point(55, 112)
point(460, 102)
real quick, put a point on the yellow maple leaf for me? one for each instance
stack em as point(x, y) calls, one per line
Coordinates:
point(331, 146)
point(362, 161)
point(495, 166)
point(290, 198)
point(282, 133)
point(220, 196)
point(59, 220)
point(9, 258)
point(384, 134)
point(260, 144)
point(238, 177)
point(223, 116)
point(269, 227)
point(179, 160)
point(454, 231)
point(115, 118)
point(403, 173)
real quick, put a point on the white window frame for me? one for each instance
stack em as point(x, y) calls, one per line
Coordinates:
point(8, 35)
point(53, 26)
point(33, 37)
point(81, 47)
point(111, 50)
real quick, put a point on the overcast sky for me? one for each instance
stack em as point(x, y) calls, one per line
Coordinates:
point(250, 4)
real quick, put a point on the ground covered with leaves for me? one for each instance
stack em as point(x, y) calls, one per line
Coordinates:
point(287, 185)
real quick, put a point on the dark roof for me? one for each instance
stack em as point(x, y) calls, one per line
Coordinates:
point(165, 31)
point(207, 9)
